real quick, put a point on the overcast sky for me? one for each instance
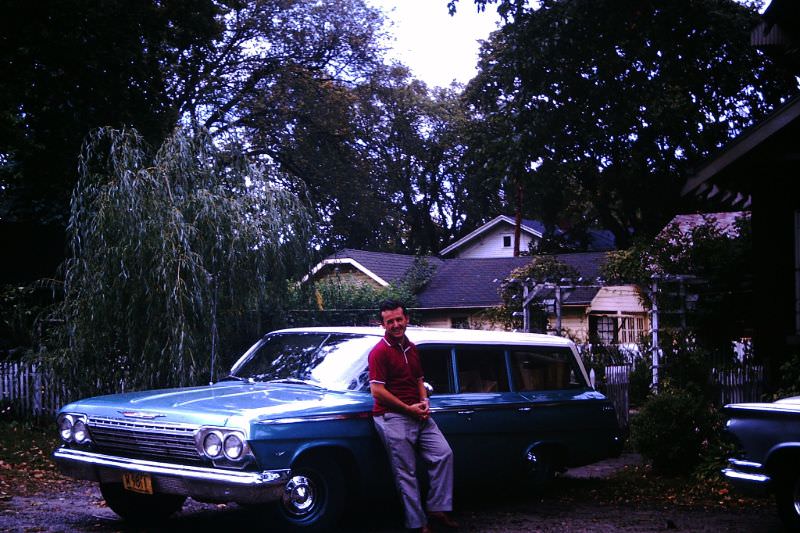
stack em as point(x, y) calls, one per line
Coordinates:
point(437, 47)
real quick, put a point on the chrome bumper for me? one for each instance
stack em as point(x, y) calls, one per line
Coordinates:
point(747, 476)
point(200, 483)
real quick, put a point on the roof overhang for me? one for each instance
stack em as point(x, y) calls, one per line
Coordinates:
point(346, 261)
point(486, 227)
point(703, 183)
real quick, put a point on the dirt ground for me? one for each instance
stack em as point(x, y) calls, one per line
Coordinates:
point(574, 504)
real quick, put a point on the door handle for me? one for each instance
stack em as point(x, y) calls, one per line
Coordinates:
point(467, 412)
point(524, 409)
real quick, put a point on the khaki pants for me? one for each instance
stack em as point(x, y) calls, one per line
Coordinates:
point(403, 437)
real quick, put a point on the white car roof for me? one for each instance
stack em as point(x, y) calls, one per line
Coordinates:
point(449, 335)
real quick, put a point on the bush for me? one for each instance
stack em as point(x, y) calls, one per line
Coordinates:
point(673, 431)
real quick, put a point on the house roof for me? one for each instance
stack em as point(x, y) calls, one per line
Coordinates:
point(462, 283)
point(725, 222)
point(599, 240)
point(382, 267)
point(532, 227)
point(472, 283)
point(728, 178)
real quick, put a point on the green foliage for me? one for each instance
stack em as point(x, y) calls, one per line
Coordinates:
point(789, 377)
point(336, 301)
point(180, 257)
point(542, 269)
point(20, 308)
point(70, 67)
point(673, 430)
point(550, 112)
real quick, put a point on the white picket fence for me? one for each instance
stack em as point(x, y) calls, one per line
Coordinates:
point(737, 385)
point(28, 391)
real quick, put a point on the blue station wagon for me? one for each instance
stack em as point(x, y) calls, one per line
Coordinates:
point(291, 425)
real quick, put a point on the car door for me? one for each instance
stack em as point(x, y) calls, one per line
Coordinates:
point(562, 408)
point(474, 407)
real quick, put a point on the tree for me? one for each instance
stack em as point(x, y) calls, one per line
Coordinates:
point(67, 68)
point(714, 263)
point(603, 107)
point(261, 66)
point(179, 258)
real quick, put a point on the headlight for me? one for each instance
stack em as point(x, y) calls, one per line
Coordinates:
point(79, 432)
point(72, 428)
point(212, 445)
point(65, 427)
point(233, 447)
point(226, 447)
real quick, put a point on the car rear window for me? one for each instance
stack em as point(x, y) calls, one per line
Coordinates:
point(543, 368)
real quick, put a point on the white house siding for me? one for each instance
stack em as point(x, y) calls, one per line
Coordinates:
point(574, 324)
point(618, 299)
point(490, 244)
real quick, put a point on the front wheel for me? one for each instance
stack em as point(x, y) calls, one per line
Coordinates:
point(135, 507)
point(787, 498)
point(540, 467)
point(314, 498)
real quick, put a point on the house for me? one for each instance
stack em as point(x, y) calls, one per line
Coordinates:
point(466, 284)
point(758, 171)
point(496, 239)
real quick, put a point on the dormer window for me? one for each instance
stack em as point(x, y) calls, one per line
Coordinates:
point(506, 241)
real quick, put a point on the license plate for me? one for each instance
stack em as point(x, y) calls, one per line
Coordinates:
point(140, 483)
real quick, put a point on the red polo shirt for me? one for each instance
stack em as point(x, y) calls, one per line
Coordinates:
point(397, 367)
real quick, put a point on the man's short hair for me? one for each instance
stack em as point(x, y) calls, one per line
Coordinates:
point(390, 305)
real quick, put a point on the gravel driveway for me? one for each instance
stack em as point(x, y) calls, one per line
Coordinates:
point(78, 507)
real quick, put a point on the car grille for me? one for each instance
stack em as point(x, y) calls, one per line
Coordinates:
point(146, 440)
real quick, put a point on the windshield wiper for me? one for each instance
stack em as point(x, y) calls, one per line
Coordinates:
point(297, 381)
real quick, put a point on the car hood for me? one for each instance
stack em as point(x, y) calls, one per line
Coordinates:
point(224, 404)
point(785, 405)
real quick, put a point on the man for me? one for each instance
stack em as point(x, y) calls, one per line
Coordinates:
point(403, 423)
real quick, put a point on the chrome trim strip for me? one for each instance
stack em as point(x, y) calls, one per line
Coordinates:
point(736, 474)
point(316, 418)
point(234, 477)
point(745, 464)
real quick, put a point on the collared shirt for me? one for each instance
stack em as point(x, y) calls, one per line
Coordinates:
point(397, 367)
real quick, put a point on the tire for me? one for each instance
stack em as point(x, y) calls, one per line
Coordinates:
point(314, 498)
point(787, 499)
point(540, 468)
point(140, 508)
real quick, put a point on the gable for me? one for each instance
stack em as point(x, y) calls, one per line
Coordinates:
point(488, 240)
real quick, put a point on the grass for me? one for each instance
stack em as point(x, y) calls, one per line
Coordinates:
point(26, 468)
point(25, 464)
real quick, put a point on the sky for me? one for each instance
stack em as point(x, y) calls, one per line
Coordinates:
point(437, 47)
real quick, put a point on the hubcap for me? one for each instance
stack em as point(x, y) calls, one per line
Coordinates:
point(796, 497)
point(299, 496)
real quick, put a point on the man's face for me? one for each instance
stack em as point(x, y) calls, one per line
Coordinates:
point(394, 321)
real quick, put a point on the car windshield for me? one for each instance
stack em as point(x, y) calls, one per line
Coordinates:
point(329, 360)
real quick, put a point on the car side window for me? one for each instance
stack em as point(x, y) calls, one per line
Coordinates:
point(436, 369)
point(481, 369)
point(545, 368)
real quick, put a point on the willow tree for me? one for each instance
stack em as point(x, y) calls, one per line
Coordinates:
point(179, 256)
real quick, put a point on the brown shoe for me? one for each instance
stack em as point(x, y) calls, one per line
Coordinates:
point(444, 519)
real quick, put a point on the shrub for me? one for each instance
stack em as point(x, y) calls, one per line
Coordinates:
point(673, 430)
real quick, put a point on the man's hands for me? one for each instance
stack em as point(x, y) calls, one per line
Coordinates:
point(419, 410)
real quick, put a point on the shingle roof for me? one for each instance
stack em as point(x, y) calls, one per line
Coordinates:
point(725, 222)
point(475, 282)
point(389, 267)
point(470, 282)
